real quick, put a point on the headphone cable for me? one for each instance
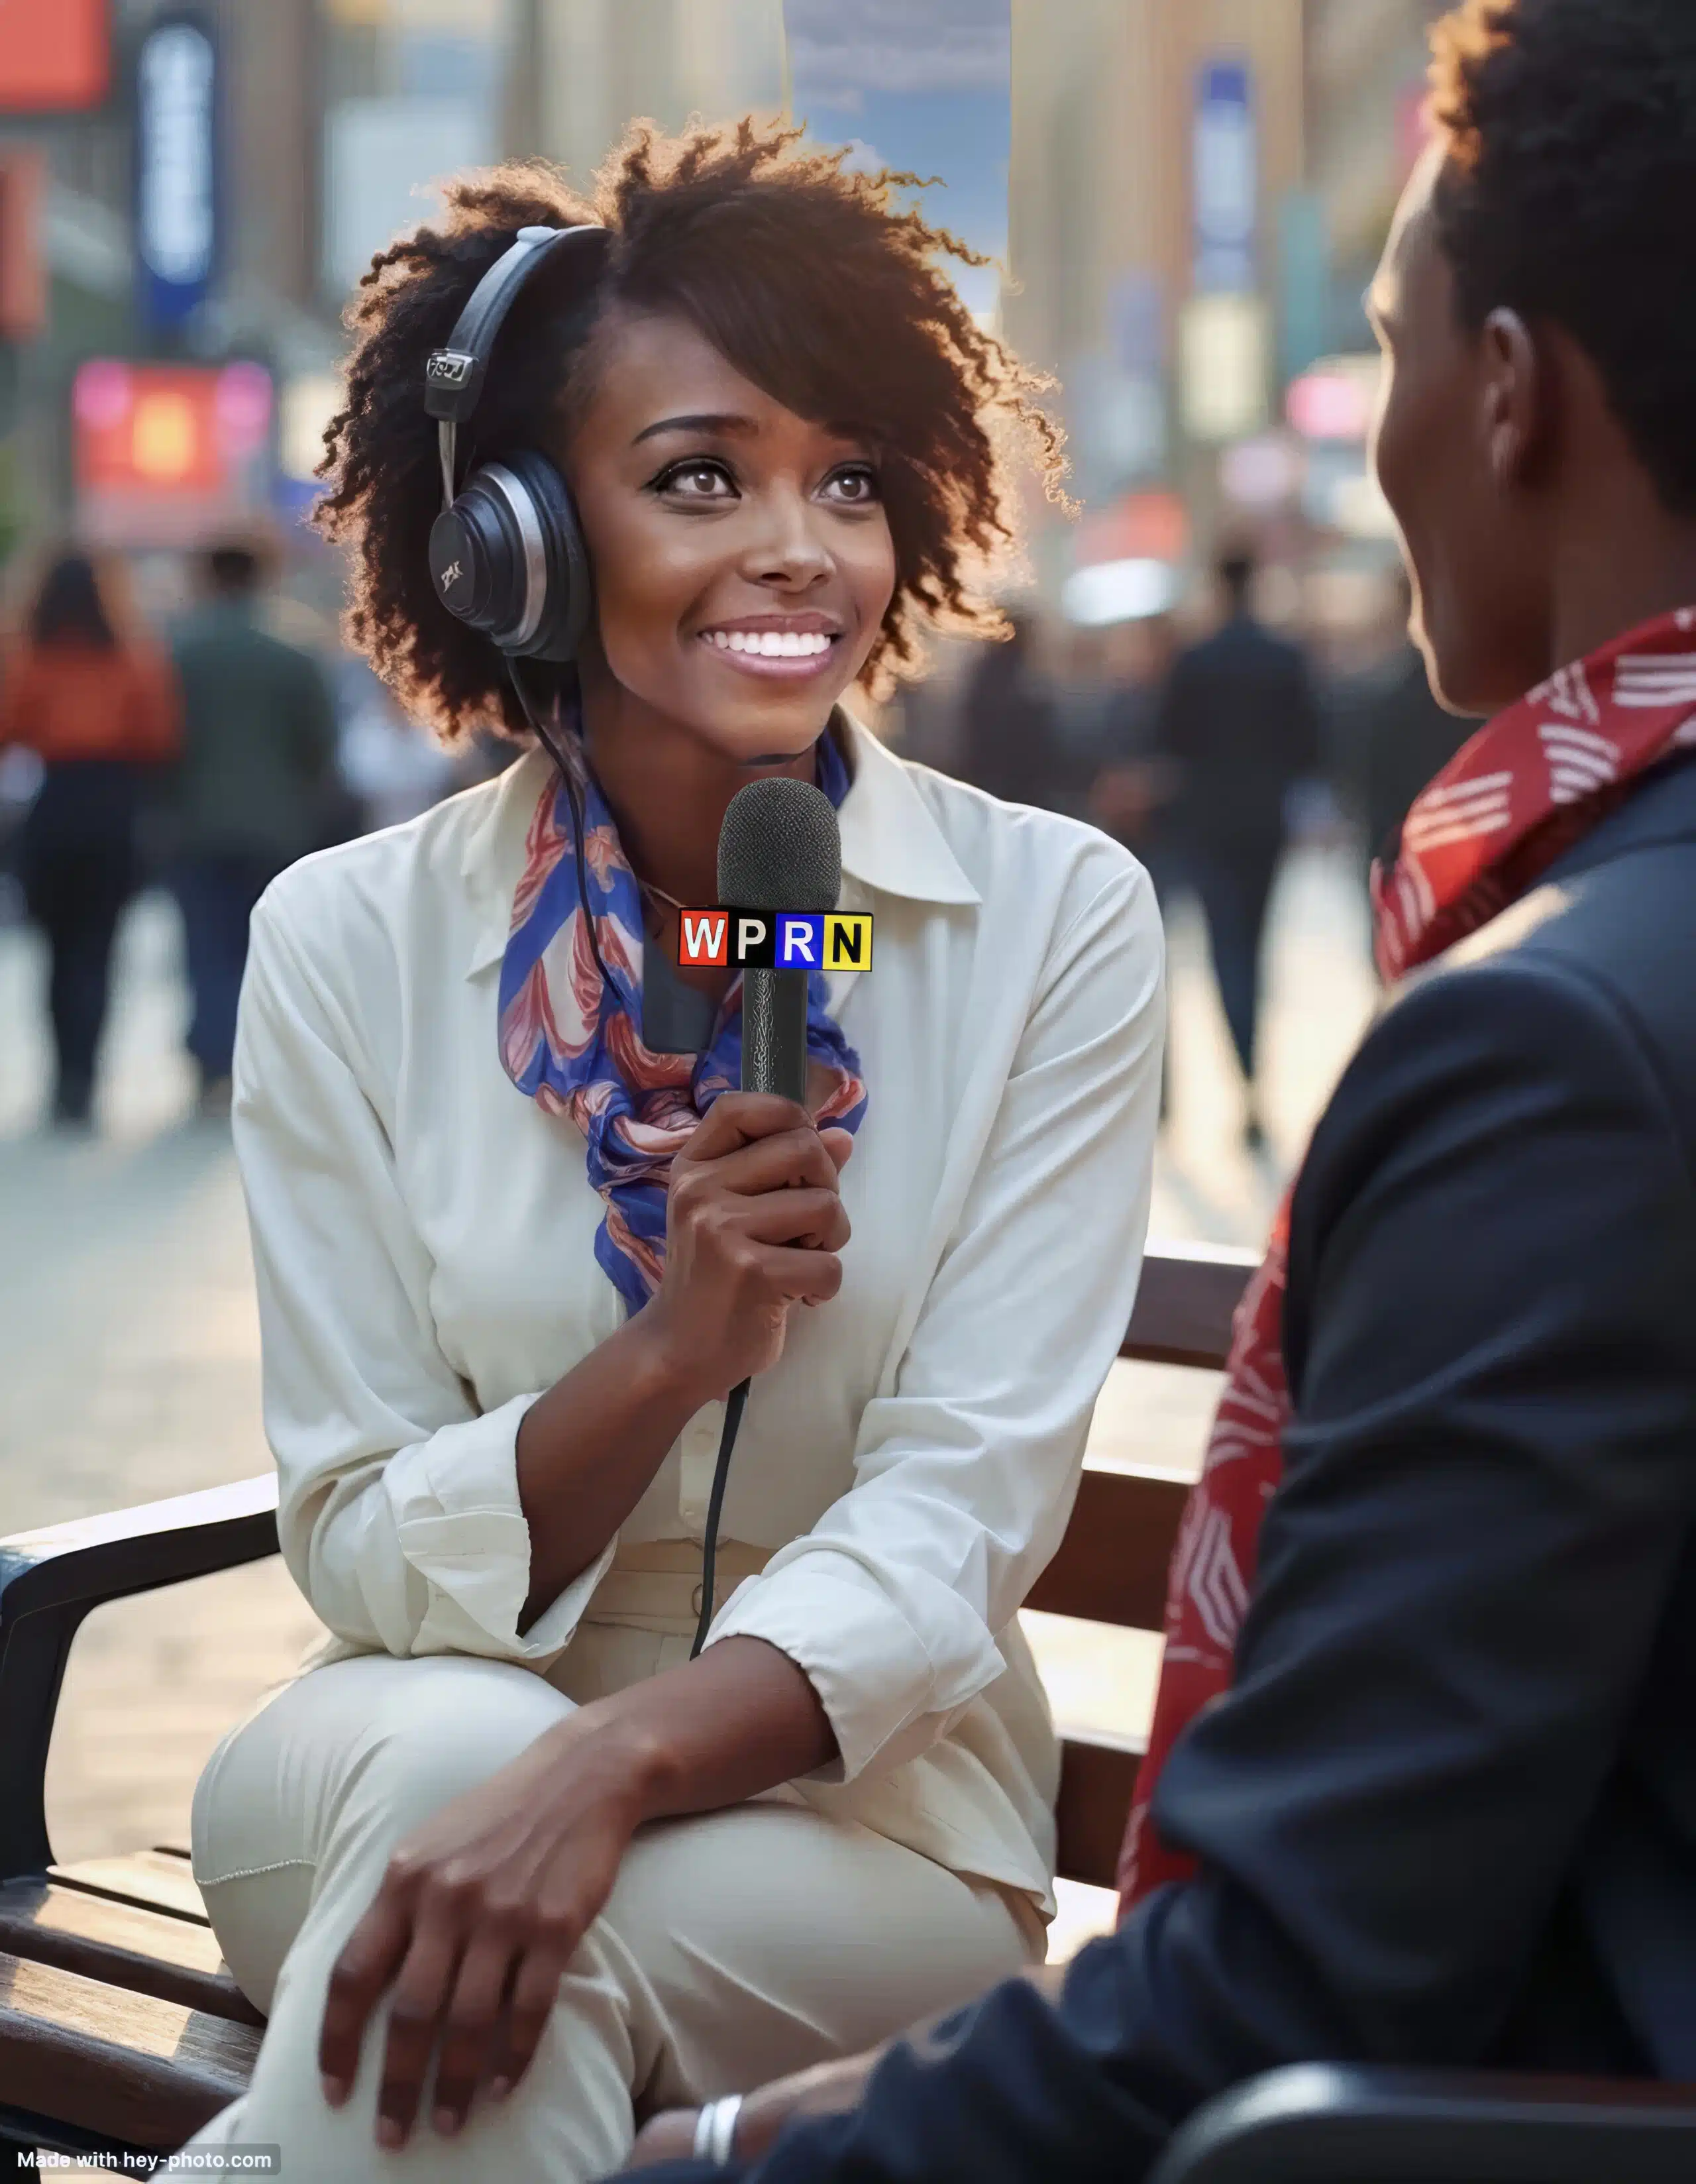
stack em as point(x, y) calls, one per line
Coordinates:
point(534, 712)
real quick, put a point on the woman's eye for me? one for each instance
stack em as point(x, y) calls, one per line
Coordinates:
point(854, 488)
point(697, 481)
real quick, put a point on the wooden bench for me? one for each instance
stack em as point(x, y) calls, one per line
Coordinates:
point(121, 2029)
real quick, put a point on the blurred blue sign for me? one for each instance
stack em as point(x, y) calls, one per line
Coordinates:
point(176, 166)
point(1224, 180)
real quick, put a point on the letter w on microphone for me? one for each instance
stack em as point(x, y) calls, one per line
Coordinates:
point(775, 940)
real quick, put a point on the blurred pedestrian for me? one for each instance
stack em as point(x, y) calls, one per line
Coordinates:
point(1131, 787)
point(100, 710)
point(1239, 724)
point(257, 779)
point(1008, 739)
point(1394, 737)
point(392, 768)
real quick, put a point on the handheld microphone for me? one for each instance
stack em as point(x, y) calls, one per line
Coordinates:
point(779, 848)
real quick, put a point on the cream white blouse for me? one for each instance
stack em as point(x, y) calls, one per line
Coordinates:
point(423, 1237)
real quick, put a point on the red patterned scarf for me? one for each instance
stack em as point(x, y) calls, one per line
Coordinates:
point(1522, 791)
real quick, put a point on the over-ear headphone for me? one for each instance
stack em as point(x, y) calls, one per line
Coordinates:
point(506, 552)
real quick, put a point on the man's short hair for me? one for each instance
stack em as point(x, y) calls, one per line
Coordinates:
point(1235, 569)
point(1570, 129)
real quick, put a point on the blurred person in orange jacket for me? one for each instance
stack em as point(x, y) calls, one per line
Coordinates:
point(100, 710)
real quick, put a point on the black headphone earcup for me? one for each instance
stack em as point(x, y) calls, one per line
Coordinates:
point(508, 558)
point(569, 600)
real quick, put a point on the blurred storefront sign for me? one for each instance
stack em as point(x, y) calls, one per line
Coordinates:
point(1222, 364)
point(169, 455)
point(1147, 526)
point(1335, 399)
point(1119, 591)
point(1116, 422)
point(23, 263)
point(1339, 492)
point(1263, 473)
point(305, 405)
point(176, 166)
point(55, 55)
point(1223, 179)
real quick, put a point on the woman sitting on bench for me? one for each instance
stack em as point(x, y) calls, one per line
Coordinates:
point(505, 1859)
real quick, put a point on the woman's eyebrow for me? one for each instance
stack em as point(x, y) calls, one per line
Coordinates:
point(710, 421)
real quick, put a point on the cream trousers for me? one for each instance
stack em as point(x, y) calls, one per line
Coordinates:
point(735, 1946)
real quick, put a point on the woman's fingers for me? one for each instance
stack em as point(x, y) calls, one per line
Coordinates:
point(420, 2000)
point(369, 1959)
point(534, 1992)
point(471, 2035)
point(815, 1218)
point(737, 1118)
point(788, 1158)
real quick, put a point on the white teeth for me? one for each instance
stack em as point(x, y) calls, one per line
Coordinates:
point(771, 644)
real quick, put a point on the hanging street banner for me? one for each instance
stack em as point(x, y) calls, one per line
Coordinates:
point(177, 209)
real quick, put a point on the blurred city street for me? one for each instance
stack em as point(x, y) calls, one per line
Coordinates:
point(129, 1339)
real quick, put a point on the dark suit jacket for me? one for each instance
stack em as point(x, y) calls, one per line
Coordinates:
point(1238, 719)
point(1447, 1814)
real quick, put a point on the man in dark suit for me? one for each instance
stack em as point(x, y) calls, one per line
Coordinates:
point(1238, 723)
point(1434, 1800)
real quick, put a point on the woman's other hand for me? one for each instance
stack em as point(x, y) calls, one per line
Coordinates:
point(479, 1913)
point(754, 1223)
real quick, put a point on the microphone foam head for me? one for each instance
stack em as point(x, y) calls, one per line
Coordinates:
point(779, 847)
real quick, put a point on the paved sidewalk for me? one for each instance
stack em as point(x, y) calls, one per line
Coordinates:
point(129, 1339)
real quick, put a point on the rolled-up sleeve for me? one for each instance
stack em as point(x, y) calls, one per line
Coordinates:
point(966, 1473)
point(399, 1515)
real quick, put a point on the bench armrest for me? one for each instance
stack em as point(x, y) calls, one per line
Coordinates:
point(1316, 2120)
point(49, 1580)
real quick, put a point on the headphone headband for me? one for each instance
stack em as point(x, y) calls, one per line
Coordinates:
point(454, 377)
point(506, 553)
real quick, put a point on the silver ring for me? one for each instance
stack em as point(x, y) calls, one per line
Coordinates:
point(715, 2131)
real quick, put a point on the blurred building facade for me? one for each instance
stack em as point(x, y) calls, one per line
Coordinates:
point(1196, 190)
point(583, 70)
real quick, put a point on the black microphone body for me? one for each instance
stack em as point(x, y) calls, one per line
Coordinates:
point(774, 1033)
point(779, 848)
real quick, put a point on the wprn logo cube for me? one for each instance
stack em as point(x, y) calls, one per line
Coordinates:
point(775, 940)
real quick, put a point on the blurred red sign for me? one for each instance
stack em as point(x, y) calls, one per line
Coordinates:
point(166, 454)
point(55, 55)
point(1141, 526)
point(23, 274)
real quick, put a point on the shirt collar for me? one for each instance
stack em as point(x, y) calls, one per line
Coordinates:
point(892, 844)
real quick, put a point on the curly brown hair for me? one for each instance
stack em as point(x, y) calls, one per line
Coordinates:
point(815, 283)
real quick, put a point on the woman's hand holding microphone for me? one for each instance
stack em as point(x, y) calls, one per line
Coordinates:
point(482, 1908)
point(754, 1223)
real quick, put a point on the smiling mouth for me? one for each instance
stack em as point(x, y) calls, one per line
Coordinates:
point(771, 644)
point(781, 655)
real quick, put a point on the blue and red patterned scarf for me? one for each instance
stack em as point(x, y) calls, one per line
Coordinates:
point(571, 1041)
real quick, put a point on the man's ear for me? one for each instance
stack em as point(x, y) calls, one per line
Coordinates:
point(1518, 401)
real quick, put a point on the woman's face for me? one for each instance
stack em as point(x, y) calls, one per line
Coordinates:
point(1450, 444)
point(741, 555)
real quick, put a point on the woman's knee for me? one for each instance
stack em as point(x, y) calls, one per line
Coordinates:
point(445, 1730)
